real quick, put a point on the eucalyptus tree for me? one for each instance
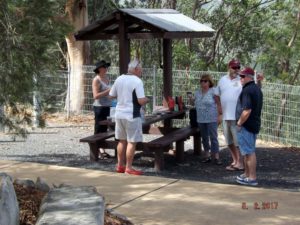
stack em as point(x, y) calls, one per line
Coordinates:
point(78, 52)
point(168, 4)
point(103, 49)
point(280, 55)
point(238, 32)
point(29, 31)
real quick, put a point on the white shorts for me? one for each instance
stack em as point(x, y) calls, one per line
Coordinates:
point(130, 130)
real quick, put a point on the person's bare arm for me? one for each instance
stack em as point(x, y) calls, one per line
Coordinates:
point(244, 116)
point(143, 101)
point(219, 108)
point(218, 102)
point(112, 97)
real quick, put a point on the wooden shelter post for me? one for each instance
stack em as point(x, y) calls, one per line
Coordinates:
point(167, 73)
point(167, 68)
point(124, 45)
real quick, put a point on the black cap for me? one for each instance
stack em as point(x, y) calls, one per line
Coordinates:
point(100, 64)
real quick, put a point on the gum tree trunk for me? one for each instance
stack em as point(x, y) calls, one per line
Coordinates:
point(78, 51)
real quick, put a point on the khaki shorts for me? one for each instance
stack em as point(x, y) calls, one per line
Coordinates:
point(130, 130)
point(230, 132)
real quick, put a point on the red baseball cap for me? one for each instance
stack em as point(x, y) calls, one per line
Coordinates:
point(247, 71)
point(234, 63)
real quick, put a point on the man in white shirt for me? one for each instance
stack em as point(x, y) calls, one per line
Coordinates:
point(229, 89)
point(129, 91)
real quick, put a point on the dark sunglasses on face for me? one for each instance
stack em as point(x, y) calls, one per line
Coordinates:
point(201, 81)
point(236, 67)
point(242, 76)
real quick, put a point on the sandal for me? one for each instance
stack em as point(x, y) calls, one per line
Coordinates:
point(104, 155)
point(206, 160)
point(233, 168)
point(120, 169)
point(218, 162)
point(134, 172)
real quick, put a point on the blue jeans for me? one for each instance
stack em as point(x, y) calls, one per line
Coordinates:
point(246, 141)
point(209, 133)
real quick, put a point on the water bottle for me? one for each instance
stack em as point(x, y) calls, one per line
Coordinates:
point(176, 107)
point(112, 113)
point(114, 103)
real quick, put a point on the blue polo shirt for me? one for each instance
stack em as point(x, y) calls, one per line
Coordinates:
point(251, 98)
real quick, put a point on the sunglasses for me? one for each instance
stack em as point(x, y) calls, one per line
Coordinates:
point(236, 67)
point(242, 76)
point(201, 81)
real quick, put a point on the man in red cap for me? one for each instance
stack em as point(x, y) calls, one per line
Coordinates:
point(248, 113)
point(228, 90)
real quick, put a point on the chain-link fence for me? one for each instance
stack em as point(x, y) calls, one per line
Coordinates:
point(280, 121)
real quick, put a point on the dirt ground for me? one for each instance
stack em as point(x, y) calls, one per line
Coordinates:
point(278, 166)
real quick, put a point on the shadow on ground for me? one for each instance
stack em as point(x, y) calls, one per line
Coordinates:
point(277, 168)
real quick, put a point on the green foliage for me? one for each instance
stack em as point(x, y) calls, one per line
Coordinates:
point(281, 53)
point(103, 49)
point(257, 32)
point(181, 55)
point(29, 31)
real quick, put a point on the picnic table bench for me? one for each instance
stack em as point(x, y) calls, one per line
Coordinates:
point(162, 144)
point(94, 143)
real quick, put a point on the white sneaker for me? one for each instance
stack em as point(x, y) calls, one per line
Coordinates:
point(248, 182)
point(241, 177)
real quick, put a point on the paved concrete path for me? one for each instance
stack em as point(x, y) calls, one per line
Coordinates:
point(162, 201)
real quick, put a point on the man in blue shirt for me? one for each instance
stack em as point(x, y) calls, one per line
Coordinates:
point(248, 125)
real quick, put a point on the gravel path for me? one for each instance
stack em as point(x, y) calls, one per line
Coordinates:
point(278, 167)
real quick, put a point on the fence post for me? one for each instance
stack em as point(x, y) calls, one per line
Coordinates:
point(154, 88)
point(36, 109)
point(36, 104)
point(68, 94)
point(2, 119)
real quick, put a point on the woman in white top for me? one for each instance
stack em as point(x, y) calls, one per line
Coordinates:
point(101, 105)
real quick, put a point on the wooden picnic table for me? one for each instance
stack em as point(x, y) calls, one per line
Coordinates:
point(159, 145)
point(151, 119)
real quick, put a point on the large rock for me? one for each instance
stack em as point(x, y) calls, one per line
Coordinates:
point(72, 206)
point(42, 185)
point(9, 207)
point(26, 183)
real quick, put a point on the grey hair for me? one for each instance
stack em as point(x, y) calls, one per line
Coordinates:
point(133, 64)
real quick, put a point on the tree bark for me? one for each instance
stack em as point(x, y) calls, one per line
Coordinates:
point(168, 4)
point(78, 53)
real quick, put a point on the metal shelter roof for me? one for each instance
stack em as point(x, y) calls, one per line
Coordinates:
point(144, 24)
point(127, 24)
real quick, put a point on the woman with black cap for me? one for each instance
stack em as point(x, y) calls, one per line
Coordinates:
point(101, 105)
